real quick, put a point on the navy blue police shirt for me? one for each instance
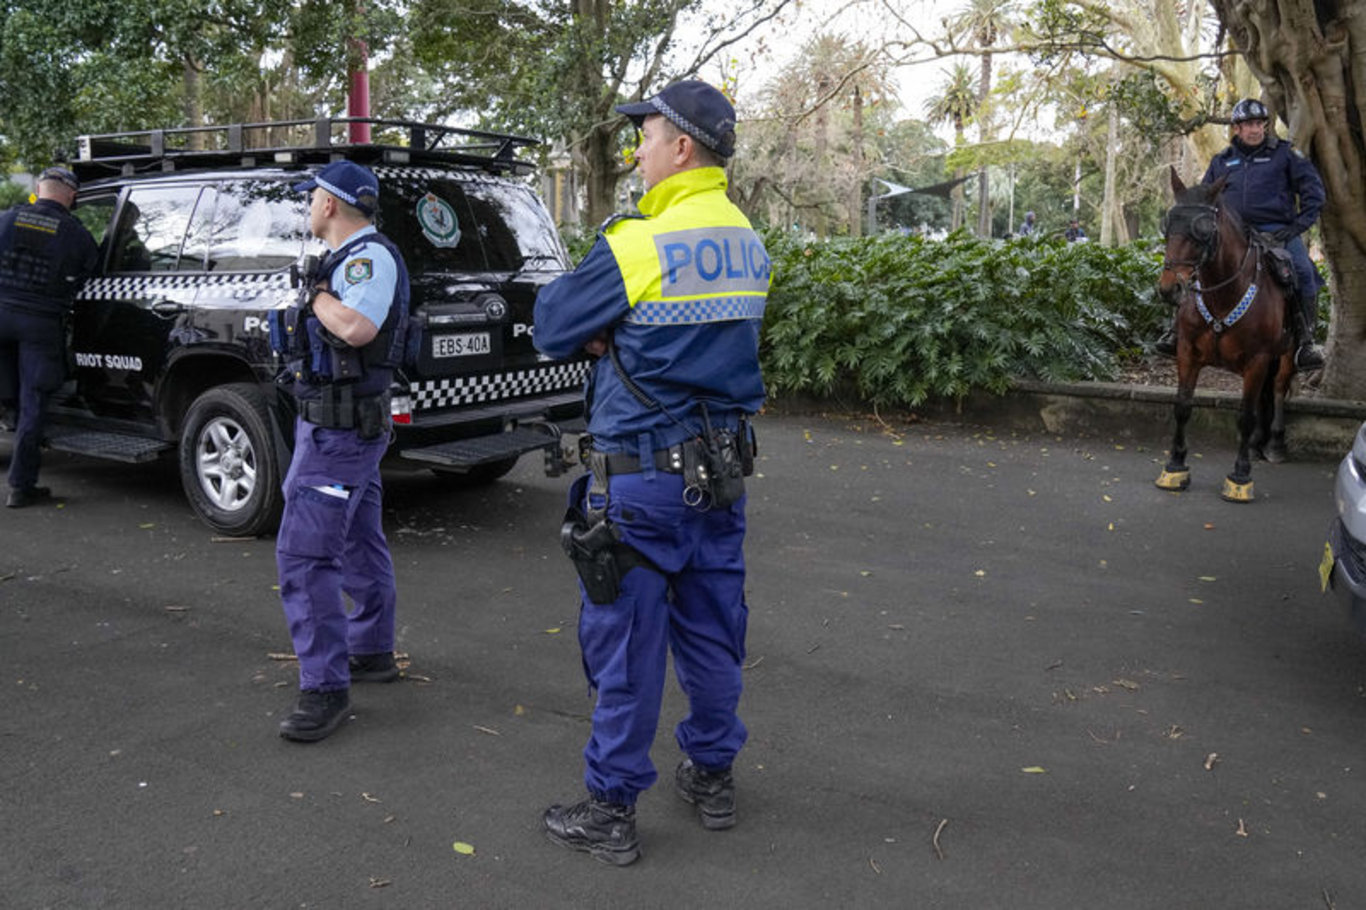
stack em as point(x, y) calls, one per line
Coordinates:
point(45, 256)
point(1265, 182)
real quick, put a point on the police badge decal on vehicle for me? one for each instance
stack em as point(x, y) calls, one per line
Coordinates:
point(438, 221)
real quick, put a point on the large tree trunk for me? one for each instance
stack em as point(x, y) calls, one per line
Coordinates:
point(1109, 205)
point(1309, 56)
point(957, 215)
point(855, 204)
point(985, 136)
point(599, 173)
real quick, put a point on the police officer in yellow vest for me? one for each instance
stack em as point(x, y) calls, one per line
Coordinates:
point(670, 301)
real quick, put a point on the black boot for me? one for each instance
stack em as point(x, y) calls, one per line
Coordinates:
point(1308, 355)
point(22, 499)
point(606, 831)
point(1166, 345)
point(316, 715)
point(379, 668)
point(712, 792)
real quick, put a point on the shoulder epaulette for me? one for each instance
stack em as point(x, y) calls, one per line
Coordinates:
point(619, 216)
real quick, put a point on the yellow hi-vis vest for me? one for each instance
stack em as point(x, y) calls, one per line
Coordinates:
point(694, 258)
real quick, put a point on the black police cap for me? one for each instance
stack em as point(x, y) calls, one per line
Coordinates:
point(694, 107)
point(61, 175)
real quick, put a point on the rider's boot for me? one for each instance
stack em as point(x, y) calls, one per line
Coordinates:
point(1308, 355)
point(1166, 345)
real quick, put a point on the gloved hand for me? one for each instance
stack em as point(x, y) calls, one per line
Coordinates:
point(1284, 235)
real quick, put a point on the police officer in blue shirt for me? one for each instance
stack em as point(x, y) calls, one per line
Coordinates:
point(45, 256)
point(671, 301)
point(341, 347)
point(1277, 191)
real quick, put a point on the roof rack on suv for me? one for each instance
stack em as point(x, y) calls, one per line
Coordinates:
point(296, 142)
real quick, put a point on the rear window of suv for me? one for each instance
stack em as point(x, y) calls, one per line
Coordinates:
point(450, 225)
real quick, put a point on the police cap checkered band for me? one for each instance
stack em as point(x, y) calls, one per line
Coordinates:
point(694, 107)
point(61, 175)
point(352, 183)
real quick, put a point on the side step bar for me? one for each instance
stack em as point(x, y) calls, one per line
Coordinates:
point(470, 453)
point(123, 447)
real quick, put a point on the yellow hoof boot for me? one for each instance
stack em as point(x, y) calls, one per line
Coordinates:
point(1174, 480)
point(1236, 492)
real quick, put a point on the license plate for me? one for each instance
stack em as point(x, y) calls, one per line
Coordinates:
point(471, 344)
point(1326, 567)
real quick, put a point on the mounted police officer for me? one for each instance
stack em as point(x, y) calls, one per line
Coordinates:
point(671, 302)
point(341, 345)
point(45, 256)
point(1277, 191)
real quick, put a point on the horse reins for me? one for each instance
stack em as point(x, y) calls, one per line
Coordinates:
point(1207, 249)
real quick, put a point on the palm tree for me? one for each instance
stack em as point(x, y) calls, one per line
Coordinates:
point(955, 102)
point(982, 22)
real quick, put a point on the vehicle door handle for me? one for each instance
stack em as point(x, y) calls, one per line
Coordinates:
point(168, 308)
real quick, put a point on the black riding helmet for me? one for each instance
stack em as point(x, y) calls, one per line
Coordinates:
point(1249, 109)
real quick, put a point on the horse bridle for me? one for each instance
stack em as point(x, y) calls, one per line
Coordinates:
point(1200, 222)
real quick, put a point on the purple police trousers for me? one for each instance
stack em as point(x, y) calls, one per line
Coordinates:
point(331, 541)
point(694, 608)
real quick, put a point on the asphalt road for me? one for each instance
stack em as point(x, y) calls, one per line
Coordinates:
point(984, 671)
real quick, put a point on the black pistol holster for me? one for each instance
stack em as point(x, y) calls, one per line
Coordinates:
point(593, 543)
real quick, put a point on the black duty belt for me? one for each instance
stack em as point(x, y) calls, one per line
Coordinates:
point(669, 460)
point(346, 413)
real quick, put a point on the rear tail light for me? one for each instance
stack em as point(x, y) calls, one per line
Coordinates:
point(401, 409)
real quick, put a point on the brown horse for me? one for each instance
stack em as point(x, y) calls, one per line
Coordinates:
point(1232, 314)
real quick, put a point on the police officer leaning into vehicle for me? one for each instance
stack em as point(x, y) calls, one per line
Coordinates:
point(672, 300)
point(46, 254)
point(1277, 191)
point(340, 345)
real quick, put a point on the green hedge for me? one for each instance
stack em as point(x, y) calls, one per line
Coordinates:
point(903, 319)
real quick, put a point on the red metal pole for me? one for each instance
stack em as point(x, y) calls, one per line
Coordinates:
point(358, 98)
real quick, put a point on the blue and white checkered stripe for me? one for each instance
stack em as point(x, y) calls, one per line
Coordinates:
point(462, 390)
point(178, 286)
point(693, 312)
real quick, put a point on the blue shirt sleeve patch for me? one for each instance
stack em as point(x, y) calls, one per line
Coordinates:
point(367, 282)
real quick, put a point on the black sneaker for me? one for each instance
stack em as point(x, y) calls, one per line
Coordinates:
point(1308, 357)
point(316, 715)
point(712, 792)
point(19, 499)
point(606, 831)
point(379, 668)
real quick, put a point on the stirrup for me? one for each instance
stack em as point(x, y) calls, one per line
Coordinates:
point(1308, 357)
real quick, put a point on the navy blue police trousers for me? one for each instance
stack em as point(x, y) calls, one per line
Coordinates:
point(32, 367)
point(331, 541)
point(693, 607)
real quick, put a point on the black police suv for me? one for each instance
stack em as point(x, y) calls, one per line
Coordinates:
point(169, 340)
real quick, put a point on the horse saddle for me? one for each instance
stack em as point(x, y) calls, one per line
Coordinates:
point(1278, 261)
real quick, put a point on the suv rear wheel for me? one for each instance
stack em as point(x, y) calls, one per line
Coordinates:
point(228, 463)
